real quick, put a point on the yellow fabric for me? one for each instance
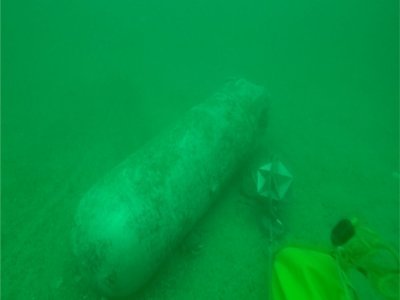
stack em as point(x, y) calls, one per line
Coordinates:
point(307, 274)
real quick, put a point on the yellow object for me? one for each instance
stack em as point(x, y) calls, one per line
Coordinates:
point(308, 274)
point(300, 273)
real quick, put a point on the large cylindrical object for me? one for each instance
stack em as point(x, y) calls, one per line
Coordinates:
point(130, 221)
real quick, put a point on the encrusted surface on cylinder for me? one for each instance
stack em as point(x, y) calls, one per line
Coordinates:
point(133, 218)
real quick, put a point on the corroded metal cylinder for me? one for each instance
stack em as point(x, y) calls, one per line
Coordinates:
point(128, 223)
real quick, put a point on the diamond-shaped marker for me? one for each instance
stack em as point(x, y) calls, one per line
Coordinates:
point(273, 180)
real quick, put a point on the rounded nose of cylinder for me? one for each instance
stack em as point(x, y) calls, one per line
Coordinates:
point(110, 255)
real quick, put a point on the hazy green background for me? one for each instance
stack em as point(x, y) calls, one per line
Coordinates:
point(84, 83)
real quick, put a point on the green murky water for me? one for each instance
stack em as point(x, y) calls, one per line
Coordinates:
point(86, 83)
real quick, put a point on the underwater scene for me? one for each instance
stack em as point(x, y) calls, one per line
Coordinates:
point(200, 150)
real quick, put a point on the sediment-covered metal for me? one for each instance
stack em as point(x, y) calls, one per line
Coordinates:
point(128, 223)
